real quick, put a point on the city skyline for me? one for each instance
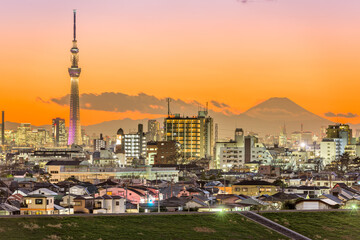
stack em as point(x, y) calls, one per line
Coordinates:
point(215, 48)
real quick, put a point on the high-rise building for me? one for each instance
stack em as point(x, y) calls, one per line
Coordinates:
point(23, 134)
point(236, 153)
point(153, 131)
point(132, 144)
point(339, 131)
point(195, 134)
point(162, 152)
point(99, 144)
point(74, 71)
point(59, 132)
point(331, 149)
point(120, 141)
point(283, 137)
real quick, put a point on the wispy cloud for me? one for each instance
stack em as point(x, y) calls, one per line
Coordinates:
point(144, 103)
point(343, 115)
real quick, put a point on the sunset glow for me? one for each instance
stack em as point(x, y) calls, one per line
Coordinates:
point(235, 53)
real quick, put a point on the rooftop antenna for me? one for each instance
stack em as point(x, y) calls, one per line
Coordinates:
point(3, 129)
point(216, 132)
point(168, 102)
point(74, 24)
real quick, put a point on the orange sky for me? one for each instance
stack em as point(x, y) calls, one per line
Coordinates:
point(239, 54)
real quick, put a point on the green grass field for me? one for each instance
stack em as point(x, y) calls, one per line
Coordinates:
point(204, 226)
point(321, 225)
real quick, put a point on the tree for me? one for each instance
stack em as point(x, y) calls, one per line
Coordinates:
point(344, 161)
point(280, 183)
point(288, 204)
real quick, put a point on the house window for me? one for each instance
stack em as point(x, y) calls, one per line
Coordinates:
point(38, 201)
point(245, 189)
point(262, 189)
point(117, 203)
point(268, 189)
point(77, 203)
point(237, 189)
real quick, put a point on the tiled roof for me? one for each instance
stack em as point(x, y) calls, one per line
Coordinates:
point(253, 182)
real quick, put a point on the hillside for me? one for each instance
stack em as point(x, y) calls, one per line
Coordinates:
point(320, 225)
point(195, 226)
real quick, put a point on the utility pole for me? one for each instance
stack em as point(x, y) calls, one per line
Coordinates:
point(158, 200)
point(69, 198)
point(156, 174)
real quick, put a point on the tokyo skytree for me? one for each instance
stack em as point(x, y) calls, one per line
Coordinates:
point(74, 71)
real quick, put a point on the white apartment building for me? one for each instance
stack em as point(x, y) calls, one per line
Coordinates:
point(331, 149)
point(244, 149)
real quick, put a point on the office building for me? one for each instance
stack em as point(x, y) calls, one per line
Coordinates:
point(59, 132)
point(163, 152)
point(99, 144)
point(133, 145)
point(340, 131)
point(153, 133)
point(236, 153)
point(23, 134)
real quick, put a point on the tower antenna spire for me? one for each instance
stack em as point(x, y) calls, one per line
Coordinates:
point(74, 24)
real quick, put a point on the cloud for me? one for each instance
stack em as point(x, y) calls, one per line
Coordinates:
point(330, 114)
point(343, 115)
point(144, 103)
point(42, 100)
point(219, 105)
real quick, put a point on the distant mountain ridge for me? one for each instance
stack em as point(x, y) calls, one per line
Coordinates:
point(268, 116)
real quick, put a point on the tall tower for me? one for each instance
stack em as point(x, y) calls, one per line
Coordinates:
point(74, 71)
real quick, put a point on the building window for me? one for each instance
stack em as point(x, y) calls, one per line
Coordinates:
point(38, 201)
point(245, 189)
point(117, 203)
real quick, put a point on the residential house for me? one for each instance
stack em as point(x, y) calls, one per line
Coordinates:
point(109, 204)
point(277, 200)
point(173, 204)
point(37, 204)
point(254, 188)
point(43, 191)
point(83, 204)
point(229, 198)
point(79, 190)
point(194, 203)
point(7, 209)
point(307, 191)
point(345, 193)
point(315, 204)
point(67, 200)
